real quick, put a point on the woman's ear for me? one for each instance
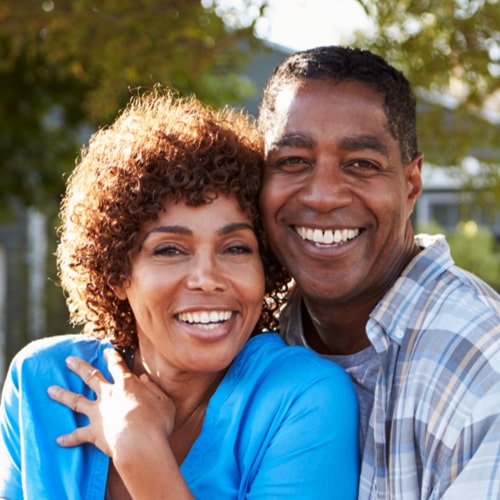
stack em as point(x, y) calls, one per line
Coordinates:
point(121, 290)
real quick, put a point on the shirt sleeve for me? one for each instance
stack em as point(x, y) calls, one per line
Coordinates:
point(10, 461)
point(32, 464)
point(314, 453)
point(473, 468)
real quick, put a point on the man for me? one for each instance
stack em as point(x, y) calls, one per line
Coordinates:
point(419, 336)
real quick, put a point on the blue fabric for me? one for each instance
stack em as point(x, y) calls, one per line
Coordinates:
point(282, 424)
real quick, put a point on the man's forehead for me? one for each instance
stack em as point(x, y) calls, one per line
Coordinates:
point(285, 97)
point(297, 100)
point(284, 100)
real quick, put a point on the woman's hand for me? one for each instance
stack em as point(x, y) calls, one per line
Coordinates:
point(127, 414)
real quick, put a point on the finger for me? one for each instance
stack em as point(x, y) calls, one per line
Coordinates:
point(77, 437)
point(90, 375)
point(116, 365)
point(77, 402)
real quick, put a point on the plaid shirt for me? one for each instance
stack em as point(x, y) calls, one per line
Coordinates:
point(434, 431)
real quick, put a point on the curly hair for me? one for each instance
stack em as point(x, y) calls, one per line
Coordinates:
point(338, 64)
point(161, 148)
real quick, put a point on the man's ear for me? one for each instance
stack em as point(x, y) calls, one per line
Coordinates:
point(414, 178)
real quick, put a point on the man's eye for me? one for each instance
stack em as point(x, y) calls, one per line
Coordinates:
point(291, 163)
point(363, 165)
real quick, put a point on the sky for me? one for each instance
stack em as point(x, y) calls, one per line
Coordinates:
point(302, 24)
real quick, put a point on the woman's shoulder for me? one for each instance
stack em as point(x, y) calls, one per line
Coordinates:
point(54, 350)
point(289, 380)
point(267, 353)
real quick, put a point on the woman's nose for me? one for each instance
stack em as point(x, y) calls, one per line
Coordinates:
point(206, 275)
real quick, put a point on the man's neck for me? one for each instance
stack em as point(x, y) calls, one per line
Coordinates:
point(332, 333)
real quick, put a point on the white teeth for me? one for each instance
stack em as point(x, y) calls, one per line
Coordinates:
point(328, 236)
point(318, 236)
point(205, 317)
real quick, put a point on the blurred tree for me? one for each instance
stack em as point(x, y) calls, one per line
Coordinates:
point(473, 248)
point(450, 51)
point(67, 66)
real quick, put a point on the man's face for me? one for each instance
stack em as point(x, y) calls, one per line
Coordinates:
point(336, 197)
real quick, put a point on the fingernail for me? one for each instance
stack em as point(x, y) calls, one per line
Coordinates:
point(70, 361)
point(52, 391)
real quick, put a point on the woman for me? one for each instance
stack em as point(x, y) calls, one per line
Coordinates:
point(162, 257)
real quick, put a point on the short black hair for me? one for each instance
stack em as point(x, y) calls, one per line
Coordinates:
point(338, 64)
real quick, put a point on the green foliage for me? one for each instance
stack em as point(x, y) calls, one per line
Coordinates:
point(473, 248)
point(439, 43)
point(68, 66)
point(446, 48)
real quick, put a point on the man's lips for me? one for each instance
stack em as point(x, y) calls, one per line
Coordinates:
point(326, 236)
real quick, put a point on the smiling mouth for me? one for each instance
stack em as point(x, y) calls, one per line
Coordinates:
point(326, 237)
point(207, 320)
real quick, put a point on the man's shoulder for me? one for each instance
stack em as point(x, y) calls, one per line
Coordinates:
point(434, 294)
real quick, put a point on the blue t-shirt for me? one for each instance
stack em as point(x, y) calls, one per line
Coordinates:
point(282, 424)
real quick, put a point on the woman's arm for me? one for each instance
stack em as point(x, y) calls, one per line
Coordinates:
point(130, 421)
point(10, 442)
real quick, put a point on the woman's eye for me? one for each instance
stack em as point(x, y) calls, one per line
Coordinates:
point(239, 250)
point(168, 251)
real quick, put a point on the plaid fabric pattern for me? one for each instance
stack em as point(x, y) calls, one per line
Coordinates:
point(434, 430)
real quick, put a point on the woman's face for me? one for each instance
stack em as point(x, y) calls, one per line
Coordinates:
point(196, 286)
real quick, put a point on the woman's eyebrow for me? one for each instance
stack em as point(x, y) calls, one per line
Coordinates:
point(183, 230)
point(236, 226)
point(171, 229)
point(174, 229)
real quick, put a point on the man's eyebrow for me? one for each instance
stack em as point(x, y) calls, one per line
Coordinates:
point(358, 142)
point(292, 140)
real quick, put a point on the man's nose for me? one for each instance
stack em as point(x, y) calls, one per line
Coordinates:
point(326, 188)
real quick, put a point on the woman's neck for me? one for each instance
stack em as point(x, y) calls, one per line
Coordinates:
point(190, 393)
